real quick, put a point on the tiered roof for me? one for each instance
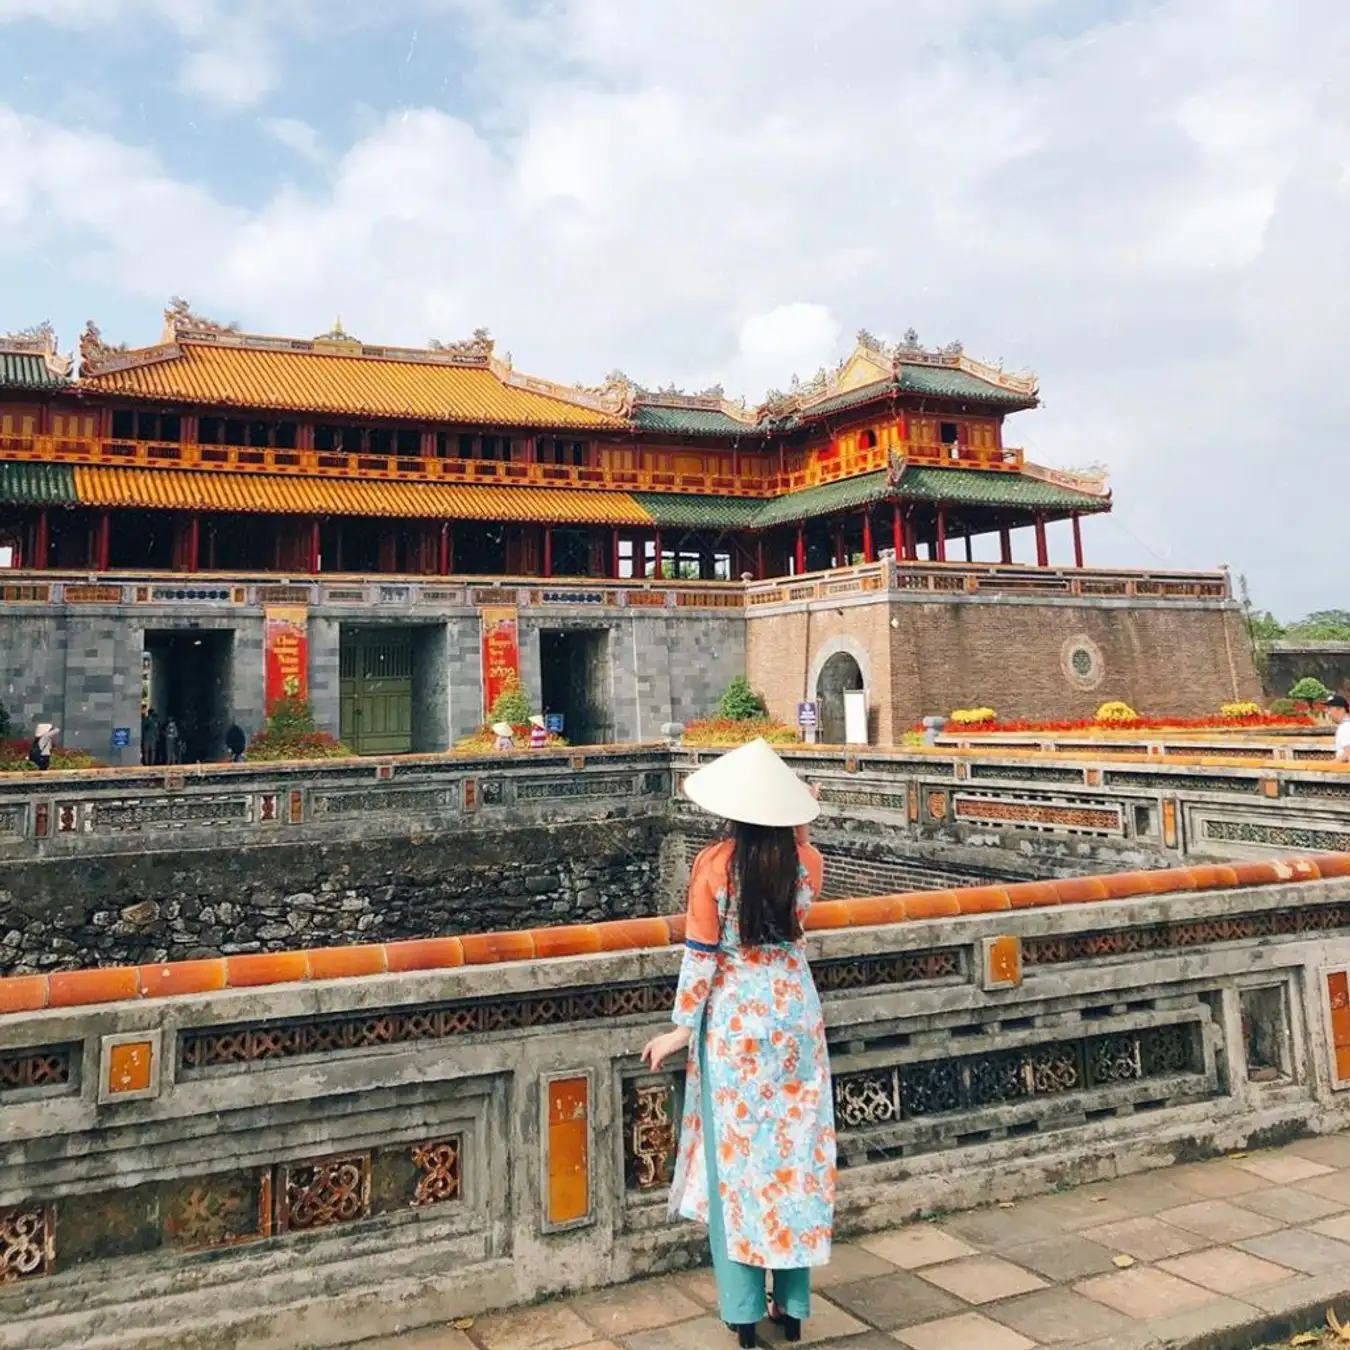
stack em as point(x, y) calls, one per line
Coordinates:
point(198, 361)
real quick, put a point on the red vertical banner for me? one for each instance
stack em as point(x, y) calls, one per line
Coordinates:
point(501, 655)
point(285, 654)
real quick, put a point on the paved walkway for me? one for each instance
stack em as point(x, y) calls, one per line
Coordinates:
point(1152, 1260)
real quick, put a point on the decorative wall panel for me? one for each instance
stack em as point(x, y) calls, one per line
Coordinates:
point(1103, 818)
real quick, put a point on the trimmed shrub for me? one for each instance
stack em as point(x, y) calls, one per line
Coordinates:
point(290, 733)
point(1309, 690)
point(740, 703)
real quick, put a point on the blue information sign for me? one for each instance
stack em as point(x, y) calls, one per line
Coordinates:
point(553, 723)
point(121, 738)
point(806, 716)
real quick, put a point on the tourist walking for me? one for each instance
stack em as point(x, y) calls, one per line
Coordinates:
point(40, 752)
point(538, 733)
point(756, 1160)
point(173, 743)
point(236, 742)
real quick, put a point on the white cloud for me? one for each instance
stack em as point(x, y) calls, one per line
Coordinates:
point(1153, 212)
point(296, 135)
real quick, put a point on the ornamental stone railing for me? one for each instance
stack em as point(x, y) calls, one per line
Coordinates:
point(230, 590)
point(210, 1153)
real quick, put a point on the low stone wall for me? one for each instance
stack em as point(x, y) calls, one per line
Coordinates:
point(205, 1155)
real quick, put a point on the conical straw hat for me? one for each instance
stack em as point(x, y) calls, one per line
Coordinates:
point(752, 785)
point(502, 729)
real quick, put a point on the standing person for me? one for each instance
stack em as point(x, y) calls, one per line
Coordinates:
point(538, 733)
point(150, 737)
point(505, 736)
point(40, 752)
point(173, 743)
point(236, 742)
point(1338, 710)
point(756, 1161)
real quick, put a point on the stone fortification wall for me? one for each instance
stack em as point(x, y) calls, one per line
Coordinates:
point(1027, 657)
point(140, 866)
point(204, 1155)
point(1288, 662)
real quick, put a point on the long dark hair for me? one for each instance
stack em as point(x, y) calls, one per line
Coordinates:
point(764, 871)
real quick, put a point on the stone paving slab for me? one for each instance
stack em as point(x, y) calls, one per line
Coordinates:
point(1160, 1259)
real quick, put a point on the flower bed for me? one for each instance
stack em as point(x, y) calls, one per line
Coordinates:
point(726, 731)
point(1091, 726)
point(483, 742)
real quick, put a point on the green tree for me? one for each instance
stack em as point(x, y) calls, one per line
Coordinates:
point(740, 703)
point(1324, 625)
point(290, 717)
point(1309, 690)
point(512, 705)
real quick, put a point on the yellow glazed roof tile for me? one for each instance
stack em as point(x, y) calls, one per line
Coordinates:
point(274, 494)
point(344, 386)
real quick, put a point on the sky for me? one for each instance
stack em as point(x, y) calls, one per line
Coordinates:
point(1147, 202)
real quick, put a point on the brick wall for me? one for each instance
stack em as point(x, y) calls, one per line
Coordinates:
point(928, 657)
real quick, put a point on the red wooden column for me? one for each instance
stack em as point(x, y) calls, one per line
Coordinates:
point(41, 541)
point(942, 534)
point(388, 551)
point(1005, 546)
point(656, 557)
point(443, 550)
point(1077, 541)
point(315, 550)
point(897, 532)
point(193, 546)
point(801, 548)
point(868, 554)
point(840, 560)
point(548, 550)
point(103, 541)
point(1042, 551)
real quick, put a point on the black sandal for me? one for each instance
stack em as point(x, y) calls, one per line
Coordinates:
point(792, 1326)
point(745, 1335)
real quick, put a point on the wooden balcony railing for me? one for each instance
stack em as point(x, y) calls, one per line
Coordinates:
point(826, 466)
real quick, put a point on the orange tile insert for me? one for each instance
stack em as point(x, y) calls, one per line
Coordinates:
point(569, 1187)
point(129, 1067)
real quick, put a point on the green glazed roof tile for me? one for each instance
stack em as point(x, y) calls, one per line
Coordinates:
point(690, 421)
point(672, 511)
point(958, 487)
point(37, 484)
point(26, 370)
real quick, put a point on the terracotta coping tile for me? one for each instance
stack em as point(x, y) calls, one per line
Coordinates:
point(183, 977)
point(424, 954)
point(931, 905)
point(23, 993)
point(344, 963)
point(26, 993)
point(577, 940)
point(483, 949)
point(110, 984)
point(620, 934)
point(266, 968)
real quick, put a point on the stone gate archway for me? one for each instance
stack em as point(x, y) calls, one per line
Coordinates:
point(840, 672)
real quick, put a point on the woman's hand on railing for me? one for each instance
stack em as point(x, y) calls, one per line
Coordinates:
point(660, 1048)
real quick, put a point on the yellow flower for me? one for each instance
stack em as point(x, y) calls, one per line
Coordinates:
point(972, 716)
point(1116, 712)
point(1242, 709)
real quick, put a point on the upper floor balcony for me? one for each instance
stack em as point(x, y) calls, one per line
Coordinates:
point(622, 467)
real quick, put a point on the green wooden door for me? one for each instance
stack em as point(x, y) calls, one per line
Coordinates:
point(375, 690)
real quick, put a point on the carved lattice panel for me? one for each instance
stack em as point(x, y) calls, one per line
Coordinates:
point(323, 1193)
point(27, 1242)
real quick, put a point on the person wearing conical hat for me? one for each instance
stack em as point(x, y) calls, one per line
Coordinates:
point(505, 736)
point(756, 1161)
point(538, 733)
point(40, 752)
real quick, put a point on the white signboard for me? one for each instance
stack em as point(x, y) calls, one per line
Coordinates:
point(855, 716)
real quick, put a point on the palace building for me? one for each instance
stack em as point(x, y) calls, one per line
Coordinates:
point(218, 470)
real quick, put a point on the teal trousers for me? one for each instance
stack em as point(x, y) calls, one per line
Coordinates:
point(740, 1288)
